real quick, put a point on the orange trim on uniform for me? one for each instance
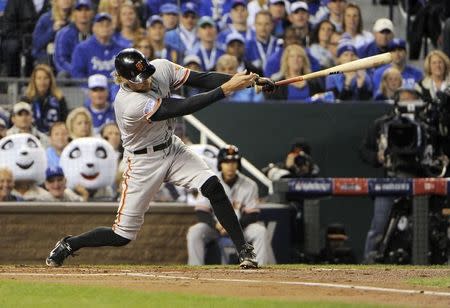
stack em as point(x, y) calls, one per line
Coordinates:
point(124, 192)
point(183, 79)
point(149, 114)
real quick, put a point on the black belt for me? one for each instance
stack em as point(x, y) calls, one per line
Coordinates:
point(158, 147)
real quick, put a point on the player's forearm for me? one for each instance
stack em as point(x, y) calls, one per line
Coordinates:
point(206, 80)
point(176, 107)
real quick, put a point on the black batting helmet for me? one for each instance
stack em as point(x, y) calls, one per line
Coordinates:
point(132, 65)
point(228, 153)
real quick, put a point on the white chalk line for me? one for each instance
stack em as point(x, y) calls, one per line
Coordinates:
point(253, 281)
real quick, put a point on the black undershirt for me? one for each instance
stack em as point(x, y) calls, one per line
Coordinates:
point(176, 107)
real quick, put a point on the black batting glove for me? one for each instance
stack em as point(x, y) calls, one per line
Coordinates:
point(267, 84)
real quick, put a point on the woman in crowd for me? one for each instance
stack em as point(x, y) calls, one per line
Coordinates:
point(129, 26)
point(144, 45)
point(320, 43)
point(294, 62)
point(437, 75)
point(352, 85)
point(47, 100)
point(390, 83)
point(79, 123)
point(353, 27)
point(46, 27)
point(111, 7)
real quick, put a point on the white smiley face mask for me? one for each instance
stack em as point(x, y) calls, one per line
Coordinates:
point(90, 162)
point(25, 156)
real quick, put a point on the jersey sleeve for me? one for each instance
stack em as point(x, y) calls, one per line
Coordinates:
point(175, 74)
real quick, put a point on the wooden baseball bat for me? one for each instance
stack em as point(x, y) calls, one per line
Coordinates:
point(355, 65)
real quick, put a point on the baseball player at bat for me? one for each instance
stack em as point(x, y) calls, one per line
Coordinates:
point(145, 115)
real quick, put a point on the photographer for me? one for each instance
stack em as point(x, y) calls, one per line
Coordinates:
point(298, 163)
point(405, 146)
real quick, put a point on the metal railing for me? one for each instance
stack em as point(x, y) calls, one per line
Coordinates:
point(207, 134)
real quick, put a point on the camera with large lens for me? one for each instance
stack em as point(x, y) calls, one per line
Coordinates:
point(410, 141)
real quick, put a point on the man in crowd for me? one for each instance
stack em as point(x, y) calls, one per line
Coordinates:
point(55, 184)
point(98, 105)
point(184, 37)
point(383, 31)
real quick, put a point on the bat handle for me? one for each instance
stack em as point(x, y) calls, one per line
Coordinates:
point(288, 81)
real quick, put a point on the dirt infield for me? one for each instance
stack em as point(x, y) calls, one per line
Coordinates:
point(379, 285)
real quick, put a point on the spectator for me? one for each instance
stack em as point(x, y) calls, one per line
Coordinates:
point(353, 26)
point(259, 48)
point(184, 37)
point(243, 193)
point(71, 35)
point(277, 9)
point(110, 132)
point(352, 85)
point(437, 75)
point(206, 48)
point(156, 34)
point(96, 54)
point(253, 7)
point(290, 37)
point(238, 16)
point(321, 42)
point(228, 64)
point(410, 74)
point(333, 11)
point(294, 62)
point(7, 185)
point(100, 108)
point(19, 20)
point(22, 119)
point(111, 7)
point(194, 63)
point(299, 19)
point(59, 138)
point(383, 31)
point(334, 43)
point(169, 14)
point(46, 28)
point(144, 45)
point(3, 128)
point(47, 100)
point(235, 46)
point(391, 81)
point(79, 123)
point(55, 184)
point(129, 25)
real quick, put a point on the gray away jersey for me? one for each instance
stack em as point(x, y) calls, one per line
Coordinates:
point(134, 109)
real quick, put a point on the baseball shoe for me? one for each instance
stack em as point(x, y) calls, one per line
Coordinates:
point(61, 251)
point(247, 257)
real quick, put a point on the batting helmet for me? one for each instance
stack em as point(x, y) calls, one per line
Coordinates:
point(228, 153)
point(132, 65)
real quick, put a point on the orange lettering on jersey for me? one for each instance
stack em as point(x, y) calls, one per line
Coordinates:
point(140, 66)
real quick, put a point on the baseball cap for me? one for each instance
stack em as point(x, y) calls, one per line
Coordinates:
point(97, 81)
point(299, 5)
point(345, 47)
point(102, 16)
point(83, 3)
point(191, 59)
point(52, 172)
point(234, 36)
point(397, 43)
point(383, 24)
point(18, 107)
point(238, 2)
point(169, 8)
point(189, 7)
point(206, 20)
point(152, 20)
